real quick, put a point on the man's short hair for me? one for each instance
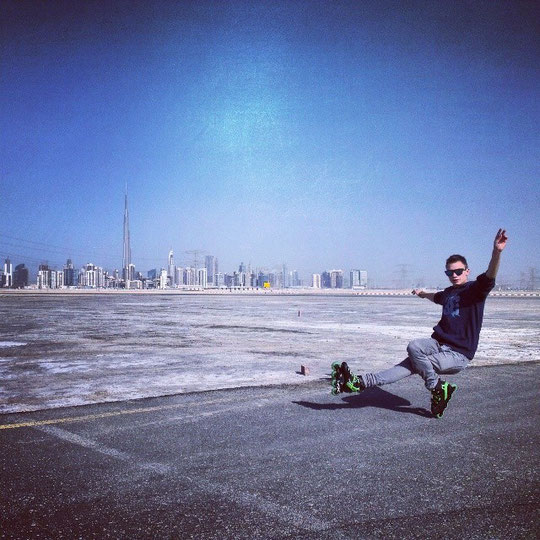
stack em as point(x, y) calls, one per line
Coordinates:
point(457, 258)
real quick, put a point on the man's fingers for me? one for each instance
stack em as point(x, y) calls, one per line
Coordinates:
point(501, 235)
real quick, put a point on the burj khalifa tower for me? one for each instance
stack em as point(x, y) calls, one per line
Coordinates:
point(127, 269)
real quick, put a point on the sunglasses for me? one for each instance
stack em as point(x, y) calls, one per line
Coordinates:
point(457, 271)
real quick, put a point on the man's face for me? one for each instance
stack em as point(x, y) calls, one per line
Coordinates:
point(453, 277)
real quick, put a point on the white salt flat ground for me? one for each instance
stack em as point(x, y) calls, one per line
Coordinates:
point(64, 350)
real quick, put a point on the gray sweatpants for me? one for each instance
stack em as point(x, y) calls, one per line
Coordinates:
point(427, 357)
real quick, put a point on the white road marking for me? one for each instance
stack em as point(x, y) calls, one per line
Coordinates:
point(284, 514)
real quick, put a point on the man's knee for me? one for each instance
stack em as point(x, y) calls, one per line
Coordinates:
point(422, 347)
point(414, 347)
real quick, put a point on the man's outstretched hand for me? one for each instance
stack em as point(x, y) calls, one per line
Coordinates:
point(500, 240)
point(422, 294)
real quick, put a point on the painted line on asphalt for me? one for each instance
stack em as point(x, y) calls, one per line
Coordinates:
point(89, 417)
point(102, 449)
point(123, 412)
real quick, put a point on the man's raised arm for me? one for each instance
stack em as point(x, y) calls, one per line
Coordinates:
point(498, 245)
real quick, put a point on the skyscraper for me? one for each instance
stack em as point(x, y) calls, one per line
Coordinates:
point(126, 257)
point(20, 276)
point(285, 282)
point(70, 276)
point(8, 273)
point(211, 265)
point(355, 279)
point(202, 277)
point(326, 282)
point(336, 279)
point(44, 277)
point(171, 269)
point(363, 278)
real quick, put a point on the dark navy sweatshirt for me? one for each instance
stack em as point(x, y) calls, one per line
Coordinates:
point(463, 312)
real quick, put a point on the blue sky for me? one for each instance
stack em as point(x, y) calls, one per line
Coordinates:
point(320, 134)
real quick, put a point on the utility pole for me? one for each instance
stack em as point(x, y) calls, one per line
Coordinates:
point(403, 270)
point(533, 279)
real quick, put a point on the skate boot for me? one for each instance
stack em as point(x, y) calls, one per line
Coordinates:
point(345, 381)
point(440, 396)
point(336, 374)
point(351, 383)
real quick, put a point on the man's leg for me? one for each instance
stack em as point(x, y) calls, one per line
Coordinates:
point(388, 376)
point(429, 358)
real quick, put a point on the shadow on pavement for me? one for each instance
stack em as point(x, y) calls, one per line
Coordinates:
point(373, 397)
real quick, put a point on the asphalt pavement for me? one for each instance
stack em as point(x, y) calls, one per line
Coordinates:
point(281, 462)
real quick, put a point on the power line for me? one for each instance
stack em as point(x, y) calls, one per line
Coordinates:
point(61, 250)
point(36, 243)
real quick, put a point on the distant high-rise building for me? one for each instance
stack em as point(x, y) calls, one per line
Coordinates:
point(336, 279)
point(126, 257)
point(228, 280)
point(163, 279)
point(202, 278)
point(363, 278)
point(262, 278)
point(70, 276)
point(190, 276)
point(211, 265)
point(252, 278)
point(20, 276)
point(355, 279)
point(358, 279)
point(8, 273)
point(294, 280)
point(178, 275)
point(44, 277)
point(92, 276)
point(53, 279)
point(326, 282)
point(171, 269)
point(316, 281)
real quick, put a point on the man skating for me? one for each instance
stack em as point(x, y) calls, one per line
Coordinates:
point(454, 340)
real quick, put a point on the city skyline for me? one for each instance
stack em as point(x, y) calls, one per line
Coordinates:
point(68, 275)
point(169, 273)
point(402, 280)
point(319, 134)
point(245, 277)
